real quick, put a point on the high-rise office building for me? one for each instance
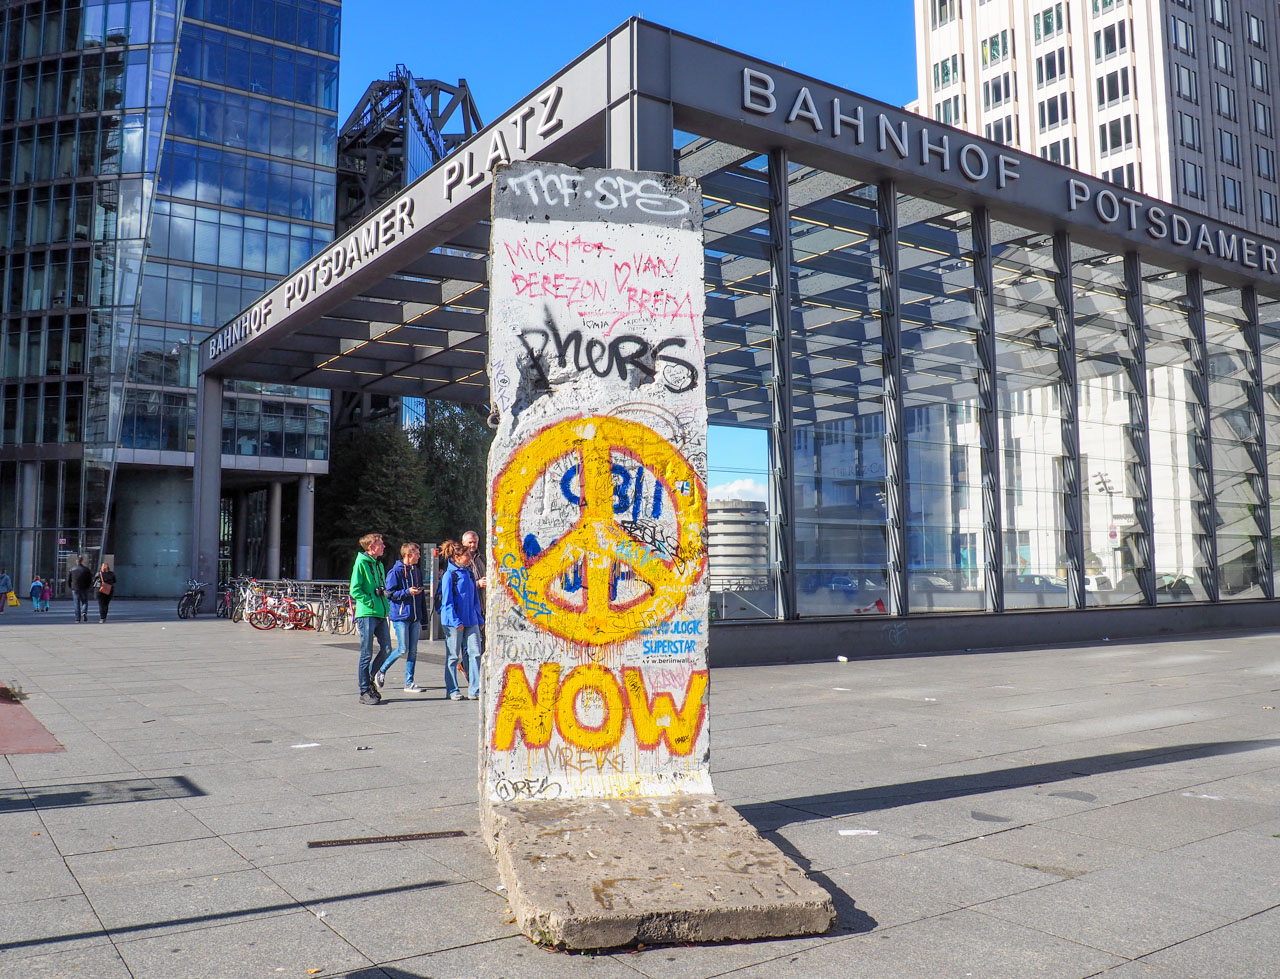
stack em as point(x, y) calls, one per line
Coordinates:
point(161, 163)
point(1170, 97)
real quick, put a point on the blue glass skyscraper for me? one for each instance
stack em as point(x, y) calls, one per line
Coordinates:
point(160, 164)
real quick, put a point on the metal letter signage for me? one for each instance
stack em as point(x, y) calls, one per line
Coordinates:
point(595, 672)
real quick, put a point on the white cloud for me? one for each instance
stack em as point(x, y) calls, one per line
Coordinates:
point(740, 489)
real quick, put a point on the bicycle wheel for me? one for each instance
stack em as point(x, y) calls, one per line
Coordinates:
point(184, 607)
point(237, 612)
point(303, 618)
point(344, 621)
point(262, 618)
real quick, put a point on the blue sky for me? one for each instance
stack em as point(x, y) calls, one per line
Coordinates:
point(505, 50)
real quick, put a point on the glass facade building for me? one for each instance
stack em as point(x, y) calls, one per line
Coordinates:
point(161, 163)
point(1001, 400)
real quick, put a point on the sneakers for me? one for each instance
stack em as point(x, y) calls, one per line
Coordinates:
point(371, 698)
point(380, 679)
point(413, 688)
point(456, 695)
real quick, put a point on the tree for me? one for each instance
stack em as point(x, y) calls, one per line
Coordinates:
point(374, 485)
point(453, 451)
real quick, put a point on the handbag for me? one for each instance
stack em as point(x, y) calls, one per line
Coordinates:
point(105, 588)
point(13, 598)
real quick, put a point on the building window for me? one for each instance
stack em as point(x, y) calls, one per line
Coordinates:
point(943, 11)
point(1113, 87)
point(1106, 6)
point(1259, 75)
point(995, 49)
point(1115, 135)
point(1121, 176)
point(1001, 131)
point(1186, 83)
point(1254, 31)
point(1053, 112)
point(1232, 199)
point(1051, 67)
point(1110, 41)
point(1266, 160)
point(1228, 147)
point(1192, 179)
point(1262, 118)
point(1220, 13)
point(1224, 59)
point(1188, 130)
point(1224, 100)
point(1267, 209)
point(1050, 23)
point(1182, 35)
point(1059, 151)
point(946, 72)
point(997, 91)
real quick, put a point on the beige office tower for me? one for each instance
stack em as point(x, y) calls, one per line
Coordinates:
point(1169, 97)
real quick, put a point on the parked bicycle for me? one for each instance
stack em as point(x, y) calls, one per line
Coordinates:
point(189, 604)
point(285, 612)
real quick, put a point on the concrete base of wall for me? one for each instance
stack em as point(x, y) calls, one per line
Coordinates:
point(810, 640)
point(595, 873)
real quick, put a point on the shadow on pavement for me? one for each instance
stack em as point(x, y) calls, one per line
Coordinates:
point(98, 793)
point(768, 816)
point(199, 919)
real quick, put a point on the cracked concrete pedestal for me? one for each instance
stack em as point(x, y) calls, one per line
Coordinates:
point(595, 873)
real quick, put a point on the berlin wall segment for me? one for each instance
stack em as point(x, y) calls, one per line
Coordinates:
point(595, 685)
point(598, 495)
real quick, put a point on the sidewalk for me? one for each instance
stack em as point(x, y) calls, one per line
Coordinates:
point(1051, 813)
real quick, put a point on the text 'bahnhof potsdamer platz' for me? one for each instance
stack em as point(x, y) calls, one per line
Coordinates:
point(1004, 400)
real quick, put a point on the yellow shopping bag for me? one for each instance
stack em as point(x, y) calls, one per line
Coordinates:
point(13, 599)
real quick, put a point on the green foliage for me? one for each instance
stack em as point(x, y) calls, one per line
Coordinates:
point(453, 447)
point(426, 484)
point(374, 486)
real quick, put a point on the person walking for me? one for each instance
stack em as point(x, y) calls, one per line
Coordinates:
point(461, 616)
point(46, 594)
point(6, 586)
point(80, 580)
point(369, 590)
point(471, 541)
point(106, 585)
point(37, 593)
point(408, 604)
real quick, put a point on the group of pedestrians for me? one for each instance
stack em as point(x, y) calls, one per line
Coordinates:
point(80, 580)
point(401, 597)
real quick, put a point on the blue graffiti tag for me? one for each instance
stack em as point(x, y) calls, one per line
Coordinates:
point(517, 579)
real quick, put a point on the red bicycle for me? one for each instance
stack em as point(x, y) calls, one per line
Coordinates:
point(283, 612)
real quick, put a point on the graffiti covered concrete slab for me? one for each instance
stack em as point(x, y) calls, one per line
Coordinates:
point(595, 679)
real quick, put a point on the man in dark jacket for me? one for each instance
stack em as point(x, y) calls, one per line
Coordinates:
point(80, 580)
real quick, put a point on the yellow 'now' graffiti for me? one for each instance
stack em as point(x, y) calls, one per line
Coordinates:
point(552, 705)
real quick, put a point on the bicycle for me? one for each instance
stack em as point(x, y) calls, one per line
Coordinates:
point(189, 604)
point(286, 613)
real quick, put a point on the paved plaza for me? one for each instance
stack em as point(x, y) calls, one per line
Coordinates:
point(1059, 812)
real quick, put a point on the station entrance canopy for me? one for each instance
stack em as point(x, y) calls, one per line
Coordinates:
point(398, 305)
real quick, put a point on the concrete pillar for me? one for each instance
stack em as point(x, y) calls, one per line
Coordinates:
point(306, 526)
point(206, 495)
point(28, 488)
point(275, 494)
point(240, 535)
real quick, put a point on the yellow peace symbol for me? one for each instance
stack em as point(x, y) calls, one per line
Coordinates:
point(596, 541)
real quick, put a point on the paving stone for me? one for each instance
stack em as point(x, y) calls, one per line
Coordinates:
point(52, 924)
point(1163, 821)
point(1052, 851)
point(295, 942)
point(1247, 949)
point(510, 958)
point(1126, 921)
point(91, 962)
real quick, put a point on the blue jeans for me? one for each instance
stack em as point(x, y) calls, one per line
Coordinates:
point(407, 634)
point(457, 638)
point(370, 627)
point(82, 605)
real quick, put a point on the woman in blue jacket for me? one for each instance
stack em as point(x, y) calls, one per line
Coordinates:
point(460, 614)
point(407, 600)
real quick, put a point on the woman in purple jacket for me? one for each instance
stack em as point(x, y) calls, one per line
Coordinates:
point(460, 614)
